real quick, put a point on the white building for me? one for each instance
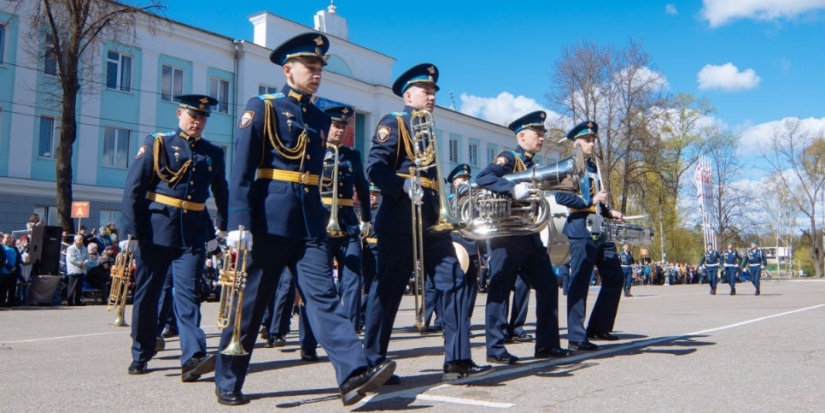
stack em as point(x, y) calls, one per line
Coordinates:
point(134, 98)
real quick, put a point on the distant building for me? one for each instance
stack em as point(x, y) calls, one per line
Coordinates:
point(135, 98)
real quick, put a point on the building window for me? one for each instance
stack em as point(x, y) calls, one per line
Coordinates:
point(473, 154)
point(2, 42)
point(118, 71)
point(491, 153)
point(267, 90)
point(46, 144)
point(453, 151)
point(47, 214)
point(219, 89)
point(116, 144)
point(50, 57)
point(107, 216)
point(172, 83)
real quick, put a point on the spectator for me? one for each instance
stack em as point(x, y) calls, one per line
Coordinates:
point(34, 220)
point(24, 244)
point(100, 269)
point(77, 262)
point(7, 284)
point(24, 280)
point(10, 271)
point(87, 238)
point(104, 237)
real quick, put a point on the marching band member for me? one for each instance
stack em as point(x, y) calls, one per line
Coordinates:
point(756, 263)
point(279, 153)
point(369, 253)
point(731, 260)
point(525, 253)
point(587, 250)
point(389, 163)
point(710, 261)
point(165, 213)
point(459, 175)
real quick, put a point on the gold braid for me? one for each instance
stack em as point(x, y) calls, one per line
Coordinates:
point(157, 151)
point(270, 122)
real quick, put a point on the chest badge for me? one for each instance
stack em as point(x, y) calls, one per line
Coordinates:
point(289, 118)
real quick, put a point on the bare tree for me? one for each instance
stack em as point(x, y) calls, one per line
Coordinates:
point(73, 31)
point(729, 201)
point(797, 156)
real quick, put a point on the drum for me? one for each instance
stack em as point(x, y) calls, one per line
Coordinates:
point(558, 246)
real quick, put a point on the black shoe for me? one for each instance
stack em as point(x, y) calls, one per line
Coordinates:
point(275, 341)
point(169, 332)
point(356, 387)
point(138, 367)
point(81, 304)
point(603, 336)
point(505, 358)
point(583, 346)
point(627, 293)
point(555, 352)
point(231, 398)
point(264, 333)
point(462, 369)
point(758, 292)
point(733, 291)
point(195, 367)
point(508, 339)
point(713, 291)
point(430, 330)
point(160, 344)
point(523, 338)
point(394, 380)
point(307, 356)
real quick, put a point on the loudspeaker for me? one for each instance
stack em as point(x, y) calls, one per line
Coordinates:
point(44, 249)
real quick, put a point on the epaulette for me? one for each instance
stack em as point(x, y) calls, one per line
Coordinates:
point(268, 96)
point(396, 114)
point(159, 134)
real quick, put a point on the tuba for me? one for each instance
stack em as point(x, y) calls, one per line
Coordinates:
point(425, 153)
point(333, 228)
point(232, 280)
point(121, 277)
point(489, 215)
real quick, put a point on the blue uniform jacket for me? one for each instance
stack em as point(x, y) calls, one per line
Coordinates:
point(576, 226)
point(710, 259)
point(187, 169)
point(276, 207)
point(625, 258)
point(351, 179)
point(387, 158)
point(731, 257)
point(756, 256)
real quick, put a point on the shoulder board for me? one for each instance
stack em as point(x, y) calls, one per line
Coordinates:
point(399, 114)
point(268, 96)
point(159, 134)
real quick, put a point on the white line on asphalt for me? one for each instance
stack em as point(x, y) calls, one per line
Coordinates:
point(417, 392)
point(467, 402)
point(64, 337)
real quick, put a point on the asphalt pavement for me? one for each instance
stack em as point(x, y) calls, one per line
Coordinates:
point(681, 350)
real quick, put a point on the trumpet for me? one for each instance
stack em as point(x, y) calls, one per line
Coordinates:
point(333, 228)
point(425, 154)
point(120, 273)
point(232, 280)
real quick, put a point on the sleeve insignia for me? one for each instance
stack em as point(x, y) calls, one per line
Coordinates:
point(141, 152)
point(246, 119)
point(501, 161)
point(383, 133)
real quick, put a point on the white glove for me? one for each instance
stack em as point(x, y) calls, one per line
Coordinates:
point(128, 246)
point(365, 228)
point(237, 238)
point(762, 267)
point(521, 190)
point(211, 245)
point(413, 188)
point(220, 234)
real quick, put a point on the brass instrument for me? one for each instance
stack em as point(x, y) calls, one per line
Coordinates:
point(232, 280)
point(333, 228)
point(425, 153)
point(121, 277)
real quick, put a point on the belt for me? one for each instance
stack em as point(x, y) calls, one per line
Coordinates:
point(341, 202)
point(712, 265)
point(755, 265)
point(590, 209)
point(425, 182)
point(730, 265)
point(174, 202)
point(372, 240)
point(303, 178)
point(628, 266)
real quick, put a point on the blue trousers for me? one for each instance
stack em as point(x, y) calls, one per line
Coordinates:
point(153, 264)
point(730, 275)
point(369, 265)
point(756, 275)
point(628, 278)
point(310, 261)
point(166, 311)
point(585, 254)
point(526, 255)
point(710, 274)
point(395, 263)
point(278, 315)
point(347, 253)
point(521, 302)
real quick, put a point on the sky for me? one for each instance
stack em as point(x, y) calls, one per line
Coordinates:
point(757, 61)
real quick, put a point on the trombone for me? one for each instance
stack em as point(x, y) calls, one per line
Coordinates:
point(232, 280)
point(425, 154)
point(333, 228)
point(120, 273)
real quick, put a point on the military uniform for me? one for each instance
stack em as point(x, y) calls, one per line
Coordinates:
point(164, 210)
point(389, 163)
point(756, 262)
point(525, 254)
point(369, 256)
point(587, 251)
point(731, 261)
point(626, 260)
point(279, 152)
point(710, 261)
point(346, 249)
point(471, 246)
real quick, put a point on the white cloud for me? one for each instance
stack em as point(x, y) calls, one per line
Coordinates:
point(501, 109)
point(757, 137)
point(671, 9)
point(727, 77)
point(720, 12)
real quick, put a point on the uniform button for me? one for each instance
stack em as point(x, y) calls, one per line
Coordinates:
point(307, 156)
point(191, 182)
point(188, 196)
point(193, 169)
point(306, 189)
point(192, 145)
point(185, 211)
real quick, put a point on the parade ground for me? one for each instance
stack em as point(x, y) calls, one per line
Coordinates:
point(681, 350)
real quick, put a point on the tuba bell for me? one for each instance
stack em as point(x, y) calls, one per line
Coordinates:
point(488, 215)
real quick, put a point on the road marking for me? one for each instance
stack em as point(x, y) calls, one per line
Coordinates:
point(468, 402)
point(418, 392)
point(33, 340)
